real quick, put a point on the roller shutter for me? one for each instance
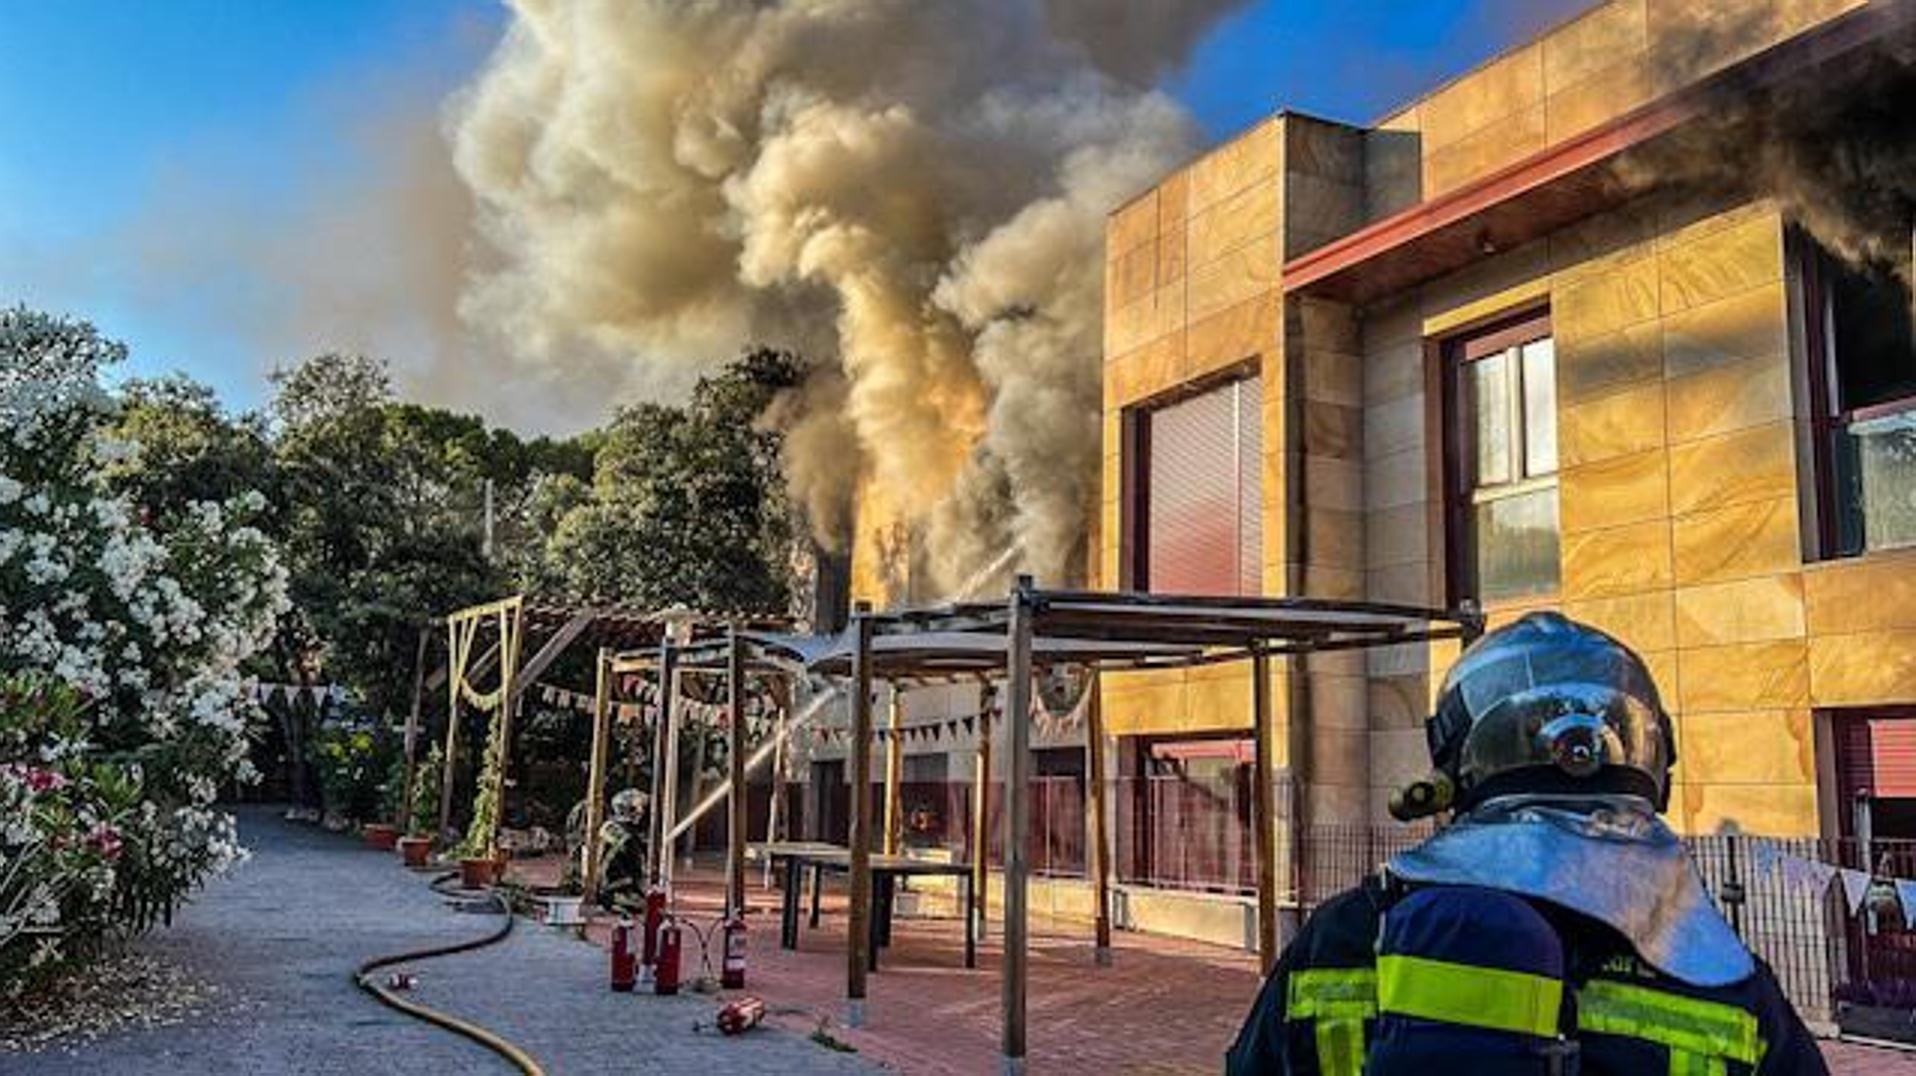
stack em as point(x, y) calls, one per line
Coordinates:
point(1203, 511)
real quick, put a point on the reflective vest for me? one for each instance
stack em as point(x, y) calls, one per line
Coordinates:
point(1417, 983)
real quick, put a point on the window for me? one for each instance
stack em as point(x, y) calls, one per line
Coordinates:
point(1503, 466)
point(1194, 493)
point(1863, 401)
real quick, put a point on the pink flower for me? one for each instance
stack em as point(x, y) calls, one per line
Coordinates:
point(42, 780)
point(105, 840)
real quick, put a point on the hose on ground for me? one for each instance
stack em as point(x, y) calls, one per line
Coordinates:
point(362, 979)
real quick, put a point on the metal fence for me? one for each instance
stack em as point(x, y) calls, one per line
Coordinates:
point(1174, 832)
point(1177, 833)
point(1821, 953)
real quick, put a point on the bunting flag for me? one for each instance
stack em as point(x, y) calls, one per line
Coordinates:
point(1855, 888)
point(1806, 875)
point(1906, 895)
point(971, 725)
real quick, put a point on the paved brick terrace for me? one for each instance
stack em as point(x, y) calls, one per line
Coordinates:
point(1164, 1006)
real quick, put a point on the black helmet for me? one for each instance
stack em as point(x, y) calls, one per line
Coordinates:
point(1550, 705)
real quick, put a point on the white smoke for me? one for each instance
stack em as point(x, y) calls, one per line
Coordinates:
point(914, 190)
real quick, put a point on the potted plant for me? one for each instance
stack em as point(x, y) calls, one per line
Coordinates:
point(415, 848)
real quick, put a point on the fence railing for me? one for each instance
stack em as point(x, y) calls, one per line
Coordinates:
point(1196, 835)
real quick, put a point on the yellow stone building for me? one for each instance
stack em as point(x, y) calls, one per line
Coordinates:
point(1498, 346)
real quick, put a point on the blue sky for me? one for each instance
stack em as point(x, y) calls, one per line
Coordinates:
point(129, 128)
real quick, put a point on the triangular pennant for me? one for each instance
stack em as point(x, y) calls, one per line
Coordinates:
point(1906, 895)
point(971, 725)
point(1855, 889)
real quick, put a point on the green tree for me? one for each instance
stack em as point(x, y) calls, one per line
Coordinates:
point(688, 503)
point(188, 448)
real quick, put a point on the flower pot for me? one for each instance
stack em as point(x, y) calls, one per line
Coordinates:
point(414, 850)
point(379, 835)
point(565, 911)
point(479, 872)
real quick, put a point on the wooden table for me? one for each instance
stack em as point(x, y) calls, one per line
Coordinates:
point(796, 858)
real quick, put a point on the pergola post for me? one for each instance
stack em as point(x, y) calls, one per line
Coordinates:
point(595, 774)
point(735, 851)
point(655, 853)
point(894, 771)
point(668, 808)
point(981, 810)
point(459, 642)
point(775, 809)
point(1264, 821)
point(509, 641)
point(1017, 822)
point(404, 821)
point(858, 941)
point(1100, 844)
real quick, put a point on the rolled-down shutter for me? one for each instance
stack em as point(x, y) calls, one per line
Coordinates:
point(1204, 512)
point(1892, 748)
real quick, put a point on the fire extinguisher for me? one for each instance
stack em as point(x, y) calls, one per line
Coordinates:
point(624, 974)
point(654, 912)
point(732, 974)
point(665, 976)
point(740, 1014)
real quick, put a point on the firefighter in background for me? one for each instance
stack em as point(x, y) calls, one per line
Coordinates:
point(1556, 925)
point(622, 840)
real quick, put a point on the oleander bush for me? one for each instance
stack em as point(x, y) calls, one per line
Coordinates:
point(123, 708)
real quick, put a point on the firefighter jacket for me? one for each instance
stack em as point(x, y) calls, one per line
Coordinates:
point(1388, 979)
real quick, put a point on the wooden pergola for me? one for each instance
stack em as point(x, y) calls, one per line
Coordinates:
point(506, 626)
point(688, 644)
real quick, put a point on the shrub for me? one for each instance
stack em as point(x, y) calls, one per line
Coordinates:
point(121, 646)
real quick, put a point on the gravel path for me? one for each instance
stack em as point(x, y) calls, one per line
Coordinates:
point(280, 935)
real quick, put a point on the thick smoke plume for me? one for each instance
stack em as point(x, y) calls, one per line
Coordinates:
point(912, 190)
point(1832, 148)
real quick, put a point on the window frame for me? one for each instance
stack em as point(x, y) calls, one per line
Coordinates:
point(1822, 385)
point(1504, 334)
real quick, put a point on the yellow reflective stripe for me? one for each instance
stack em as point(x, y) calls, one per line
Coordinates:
point(1333, 992)
point(1338, 1000)
point(1469, 995)
point(1685, 1063)
point(1706, 1029)
point(1340, 1045)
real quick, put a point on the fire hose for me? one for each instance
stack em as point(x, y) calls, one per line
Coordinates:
point(362, 979)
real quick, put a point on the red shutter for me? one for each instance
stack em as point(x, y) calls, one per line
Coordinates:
point(1892, 749)
point(1203, 519)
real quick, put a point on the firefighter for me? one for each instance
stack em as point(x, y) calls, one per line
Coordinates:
point(622, 843)
point(1556, 925)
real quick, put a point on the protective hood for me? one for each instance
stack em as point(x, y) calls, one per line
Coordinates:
point(1613, 860)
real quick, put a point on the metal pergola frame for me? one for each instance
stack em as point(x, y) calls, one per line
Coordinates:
point(984, 641)
point(1106, 631)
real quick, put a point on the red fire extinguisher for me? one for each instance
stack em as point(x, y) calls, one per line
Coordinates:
point(665, 976)
point(654, 912)
point(624, 974)
point(740, 1014)
point(732, 974)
